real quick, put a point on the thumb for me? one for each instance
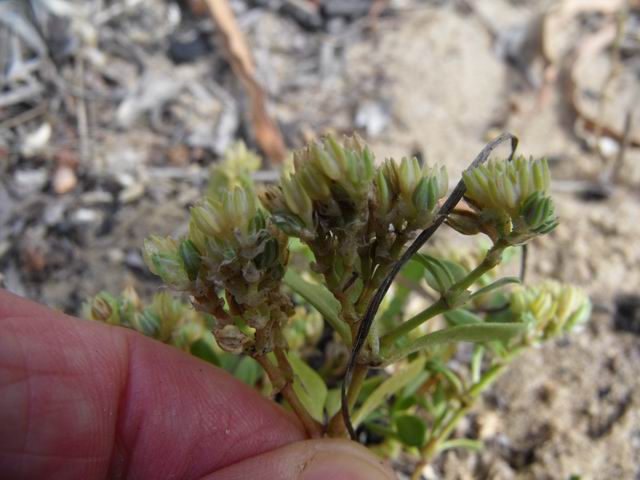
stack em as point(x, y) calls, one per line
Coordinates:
point(310, 460)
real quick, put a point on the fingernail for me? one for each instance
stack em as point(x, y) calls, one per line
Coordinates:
point(333, 466)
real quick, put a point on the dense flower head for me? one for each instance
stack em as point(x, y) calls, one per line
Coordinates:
point(550, 309)
point(407, 194)
point(165, 319)
point(335, 193)
point(232, 262)
point(328, 188)
point(512, 198)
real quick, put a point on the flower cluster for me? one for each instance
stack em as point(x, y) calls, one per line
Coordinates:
point(509, 199)
point(550, 309)
point(407, 194)
point(352, 214)
point(166, 319)
point(233, 250)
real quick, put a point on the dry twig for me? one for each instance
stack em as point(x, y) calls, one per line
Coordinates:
point(266, 131)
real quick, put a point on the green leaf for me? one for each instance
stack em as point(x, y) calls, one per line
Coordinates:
point(203, 350)
point(248, 371)
point(460, 316)
point(404, 403)
point(309, 387)
point(332, 403)
point(438, 276)
point(485, 332)
point(412, 430)
point(492, 286)
point(322, 300)
point(379, 429)
point(387, 388)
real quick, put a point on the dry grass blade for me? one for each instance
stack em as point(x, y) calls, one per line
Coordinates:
point(267, 133)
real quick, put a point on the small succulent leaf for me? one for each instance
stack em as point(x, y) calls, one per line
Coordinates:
point(387, 388)
point(485, 332)
point(332, 403)
point(204, 351)
point(190, 258)
point(461, 316)
point(404, 403)
point(248, 371)
point(309, 387)
point(321, 299)
point(412, 430)
point(437, 276)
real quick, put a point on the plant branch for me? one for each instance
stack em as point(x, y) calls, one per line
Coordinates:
point(425, 235)
point(436, 309)
point(283, 385)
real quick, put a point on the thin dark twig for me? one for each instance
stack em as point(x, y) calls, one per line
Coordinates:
point(523, 262)
point(425, 235)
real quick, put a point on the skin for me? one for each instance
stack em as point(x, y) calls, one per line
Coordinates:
point(83, 400)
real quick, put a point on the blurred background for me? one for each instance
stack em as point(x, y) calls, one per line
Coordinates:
point(112, 112)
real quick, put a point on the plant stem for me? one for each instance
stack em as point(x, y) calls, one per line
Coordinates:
point(466, 403)
point(436, 309)
point(492, 259)
point(284, 386)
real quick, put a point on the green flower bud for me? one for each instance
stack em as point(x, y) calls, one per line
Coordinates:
point(539, 213)
point(190, 259)
point(330, 165)
point(425, 196)
point(296, 198)
point(104, 308)
point(383, 195)
point(291, 225)
point(163, 259)
point(513, 194)
point(240, 208)
point(147, 323)
point(169, 267)
point(409, 176)
point(207, 218)
point(466, 223)
point(331, 145)
point(313, 182)
point(550, 308)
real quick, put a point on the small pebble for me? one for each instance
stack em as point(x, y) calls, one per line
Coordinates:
point(29, 181)
point(64, 180)
point(97, 197)
point(131, 194)
point(115, 255)
point(608, 147)
point(35, 142)
point(53, 213)
point(84, 215)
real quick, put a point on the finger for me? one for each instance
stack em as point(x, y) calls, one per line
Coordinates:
point(80, 399)
point(310, 460)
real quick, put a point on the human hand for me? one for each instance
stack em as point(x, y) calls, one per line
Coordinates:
point(82, 400)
